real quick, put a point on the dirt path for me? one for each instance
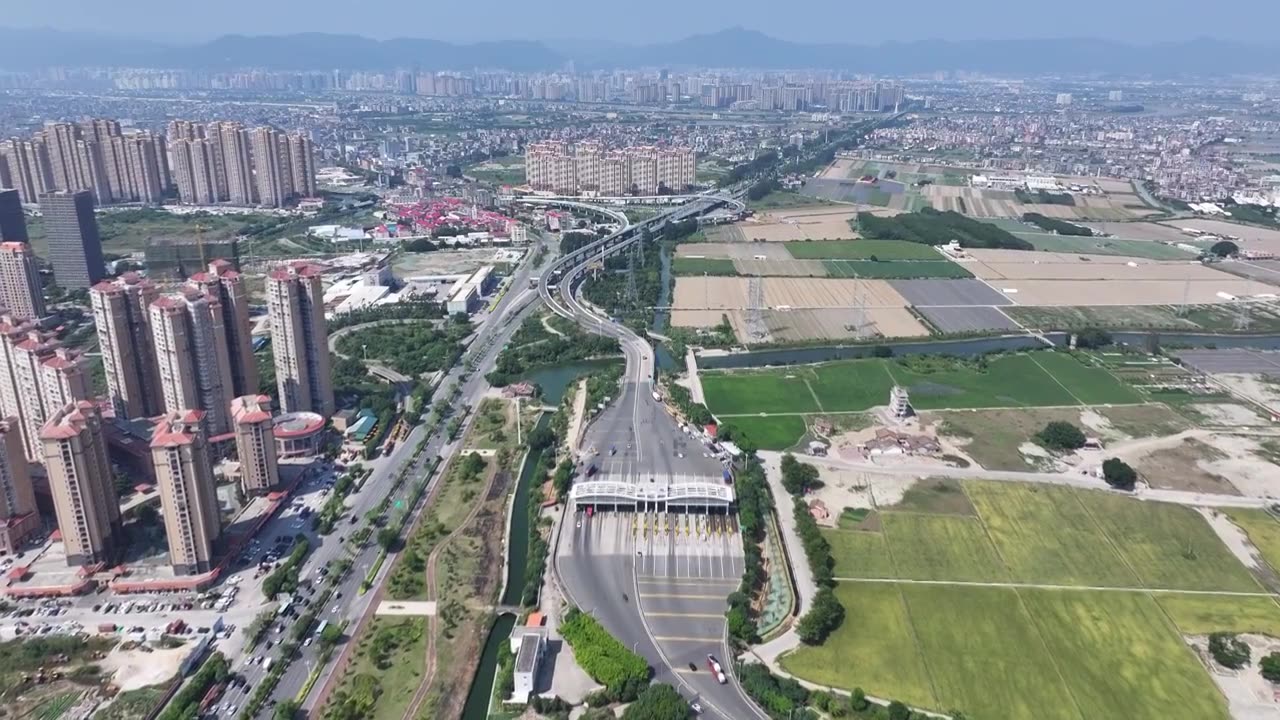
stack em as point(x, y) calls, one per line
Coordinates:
point(573, 436)
point(433, 593)
point(1037, 586)
point(550, 329)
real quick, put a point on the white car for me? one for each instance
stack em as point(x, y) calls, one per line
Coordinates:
point(696, 708)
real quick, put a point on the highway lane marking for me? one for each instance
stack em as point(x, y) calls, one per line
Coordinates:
point(715, 616)
point(654, 580)
point(676, 596)
point(677, 638)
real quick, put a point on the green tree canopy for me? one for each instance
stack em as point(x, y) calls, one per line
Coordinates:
point(1224, 248)
point(1118, 474)
point(1061, 435)
point(658, 702)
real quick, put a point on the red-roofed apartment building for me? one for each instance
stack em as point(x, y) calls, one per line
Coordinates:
point(84, 496)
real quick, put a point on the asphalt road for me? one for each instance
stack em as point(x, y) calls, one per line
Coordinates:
point(348, 604)
point(626, 570)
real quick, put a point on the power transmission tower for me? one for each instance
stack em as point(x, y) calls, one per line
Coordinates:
point(755, 304)
point(1242, 317)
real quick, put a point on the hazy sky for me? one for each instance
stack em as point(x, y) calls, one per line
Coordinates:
point(858, 21)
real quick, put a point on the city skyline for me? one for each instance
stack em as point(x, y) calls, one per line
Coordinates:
point(577, 21)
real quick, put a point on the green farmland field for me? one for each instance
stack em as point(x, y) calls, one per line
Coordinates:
point(1045, 536)
point(1016, 652)
point(985, 656)
point(1090, 385)
point(1008, 381)
point(1040, 379)
point(941, 547)
point(1122, 657)
point(1204, 614)
point(703, 266)
point(859, 554)
point(886, 659)
point(1169, 546)
point(861, 250)
point(1263, 531)
point(758, 392)
point(851, 384)
point(778, 432)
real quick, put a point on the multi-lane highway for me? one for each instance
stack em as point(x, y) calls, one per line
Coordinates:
point(347, 604)
point(659, 581)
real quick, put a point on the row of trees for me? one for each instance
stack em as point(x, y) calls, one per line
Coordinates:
point(285, 577)
point(826, 613)
point(1043, 197)
point(695, 413)
point(186, 703)
point(754, 505)
point(931, 227)
point(1055, 225)
point(786, 699)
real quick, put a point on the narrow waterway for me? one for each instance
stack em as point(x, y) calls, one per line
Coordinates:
point(518, 542)
point(553, 381)
point(477, 707)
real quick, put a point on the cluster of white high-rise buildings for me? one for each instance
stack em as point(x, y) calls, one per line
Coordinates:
point(591, 169)
point(205, 164)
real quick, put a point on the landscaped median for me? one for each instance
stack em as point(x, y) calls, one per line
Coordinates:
point(623, 673)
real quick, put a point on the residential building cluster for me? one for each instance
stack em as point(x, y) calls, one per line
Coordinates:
point(205, 164)
point(183, 360)
point(1184, 156)
point(590, 168)
point(226, 162)
point(94, 155)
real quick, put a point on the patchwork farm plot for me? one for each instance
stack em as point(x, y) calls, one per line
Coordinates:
point(1063, 603)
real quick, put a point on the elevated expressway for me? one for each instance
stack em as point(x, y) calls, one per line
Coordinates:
point(656, 564)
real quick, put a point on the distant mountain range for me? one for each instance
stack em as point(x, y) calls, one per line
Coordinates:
point(22, 49)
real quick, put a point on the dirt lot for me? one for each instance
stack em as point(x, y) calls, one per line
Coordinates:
point(1255, 387)
point(1215, 463)
point(838, 324)
point(789, 225)
point(718, 293)
point(1128, 292)
point(700, 318)
point(823, 293)
point(1254, 238)
point(781, 268)
point(134, 669)
point(441, 262)
point(840, 169)
point(809, 324)
point(1017, 265)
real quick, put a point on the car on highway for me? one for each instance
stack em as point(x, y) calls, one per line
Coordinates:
point(716, 670)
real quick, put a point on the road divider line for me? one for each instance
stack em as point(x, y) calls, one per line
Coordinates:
point(718, 616)
point(677, 596)
point(677, 638)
